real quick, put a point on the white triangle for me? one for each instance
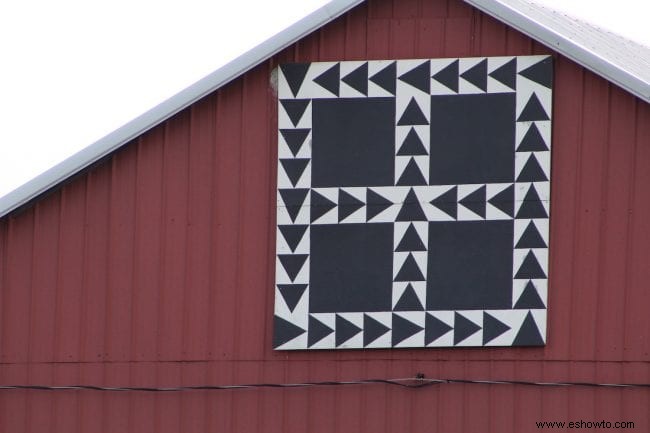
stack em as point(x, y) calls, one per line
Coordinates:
point(542, 158)
point(540, 321)
point(304, 181)
point(402, 131)
point(476, 339)
point(437, 88)
point(464, 86)
point(524, 62)
point(298, 343)
point(419, 287)
point(385, 319)
point(312, 90)
point(374, 67)
point(400, 165)
point(402, 101)
point(345, 90)
point(491, 211)
point(493, 85)
point(464, 213)
point(417, 339)
point(447, 339)
point(522, 224)
point(282, 246)
point(543, 126)
point(327, 342)
point(400, 257)
point(525, 90)
point(519, 255)
point(511, 318)
point(356, 341)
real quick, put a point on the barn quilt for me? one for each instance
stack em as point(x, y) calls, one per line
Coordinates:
point(413, 203)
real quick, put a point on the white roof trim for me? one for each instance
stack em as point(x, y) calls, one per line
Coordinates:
point(160, 113)
point(113, 141)
point(565, 45)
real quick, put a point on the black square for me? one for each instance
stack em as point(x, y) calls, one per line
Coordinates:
point(353, 142)
point(350, 268)
point(472, 139)
point(470, 265)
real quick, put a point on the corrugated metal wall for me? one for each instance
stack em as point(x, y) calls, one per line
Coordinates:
point(156, 268)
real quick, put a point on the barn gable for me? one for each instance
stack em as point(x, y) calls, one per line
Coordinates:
point(155, 267)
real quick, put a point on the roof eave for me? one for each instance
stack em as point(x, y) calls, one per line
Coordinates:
point(565, 46)
point(113, 141)
point(163, 111)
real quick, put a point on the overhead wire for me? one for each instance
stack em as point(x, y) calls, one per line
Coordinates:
point(419, 381)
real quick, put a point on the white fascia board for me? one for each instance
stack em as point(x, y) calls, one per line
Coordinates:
point(116, 139)
point(564, 45)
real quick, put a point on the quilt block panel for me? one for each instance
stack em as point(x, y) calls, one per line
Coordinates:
point(413, 203)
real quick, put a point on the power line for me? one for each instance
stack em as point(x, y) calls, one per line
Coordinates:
point(419, 381)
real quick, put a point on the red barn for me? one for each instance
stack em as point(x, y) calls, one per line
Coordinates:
point(147, 262)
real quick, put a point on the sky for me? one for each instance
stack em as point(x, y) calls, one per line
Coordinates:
point(72, 71)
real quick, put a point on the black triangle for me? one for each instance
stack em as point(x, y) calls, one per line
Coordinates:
point(448, 76)
point(533, 110)
point(295, 75)
point(532, 141)
point(447, 202)
point(372, 329)
point(410, 270)
point(506, 74)
point(492, 328)
point(317, 331)
point(419, 77)
point(411, 209)
point(295, 108)
point(348, 204)
point(294, 168)
point(529, 298)
point(434, 328)
point(528, 334)
point(411, 241)
point(403, 329)
point(292, 263)
point(345, 330)
point(320, 205)
point(532, 206)
point(412, 145)
point(463, 328)
point(329, 80)
point(386, 78)
point(531, 238)
point(293, 234)
point(475, 202)
point(530, 268)
point(294, 138)
point(411, 175)
point(284, 331)
point(358, 79)
point(540, 72)
point(477, 75)
point(293, 200)
point(376, 204)
point(532, 171)
point(413, 115)
point(505, 200)
point(292, 293)
point(409, 301)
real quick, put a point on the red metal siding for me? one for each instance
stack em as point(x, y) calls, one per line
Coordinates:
point(155, 268)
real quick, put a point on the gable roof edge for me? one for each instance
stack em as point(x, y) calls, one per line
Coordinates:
point(133, 129)
point(564, 45)
point(168, 108)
